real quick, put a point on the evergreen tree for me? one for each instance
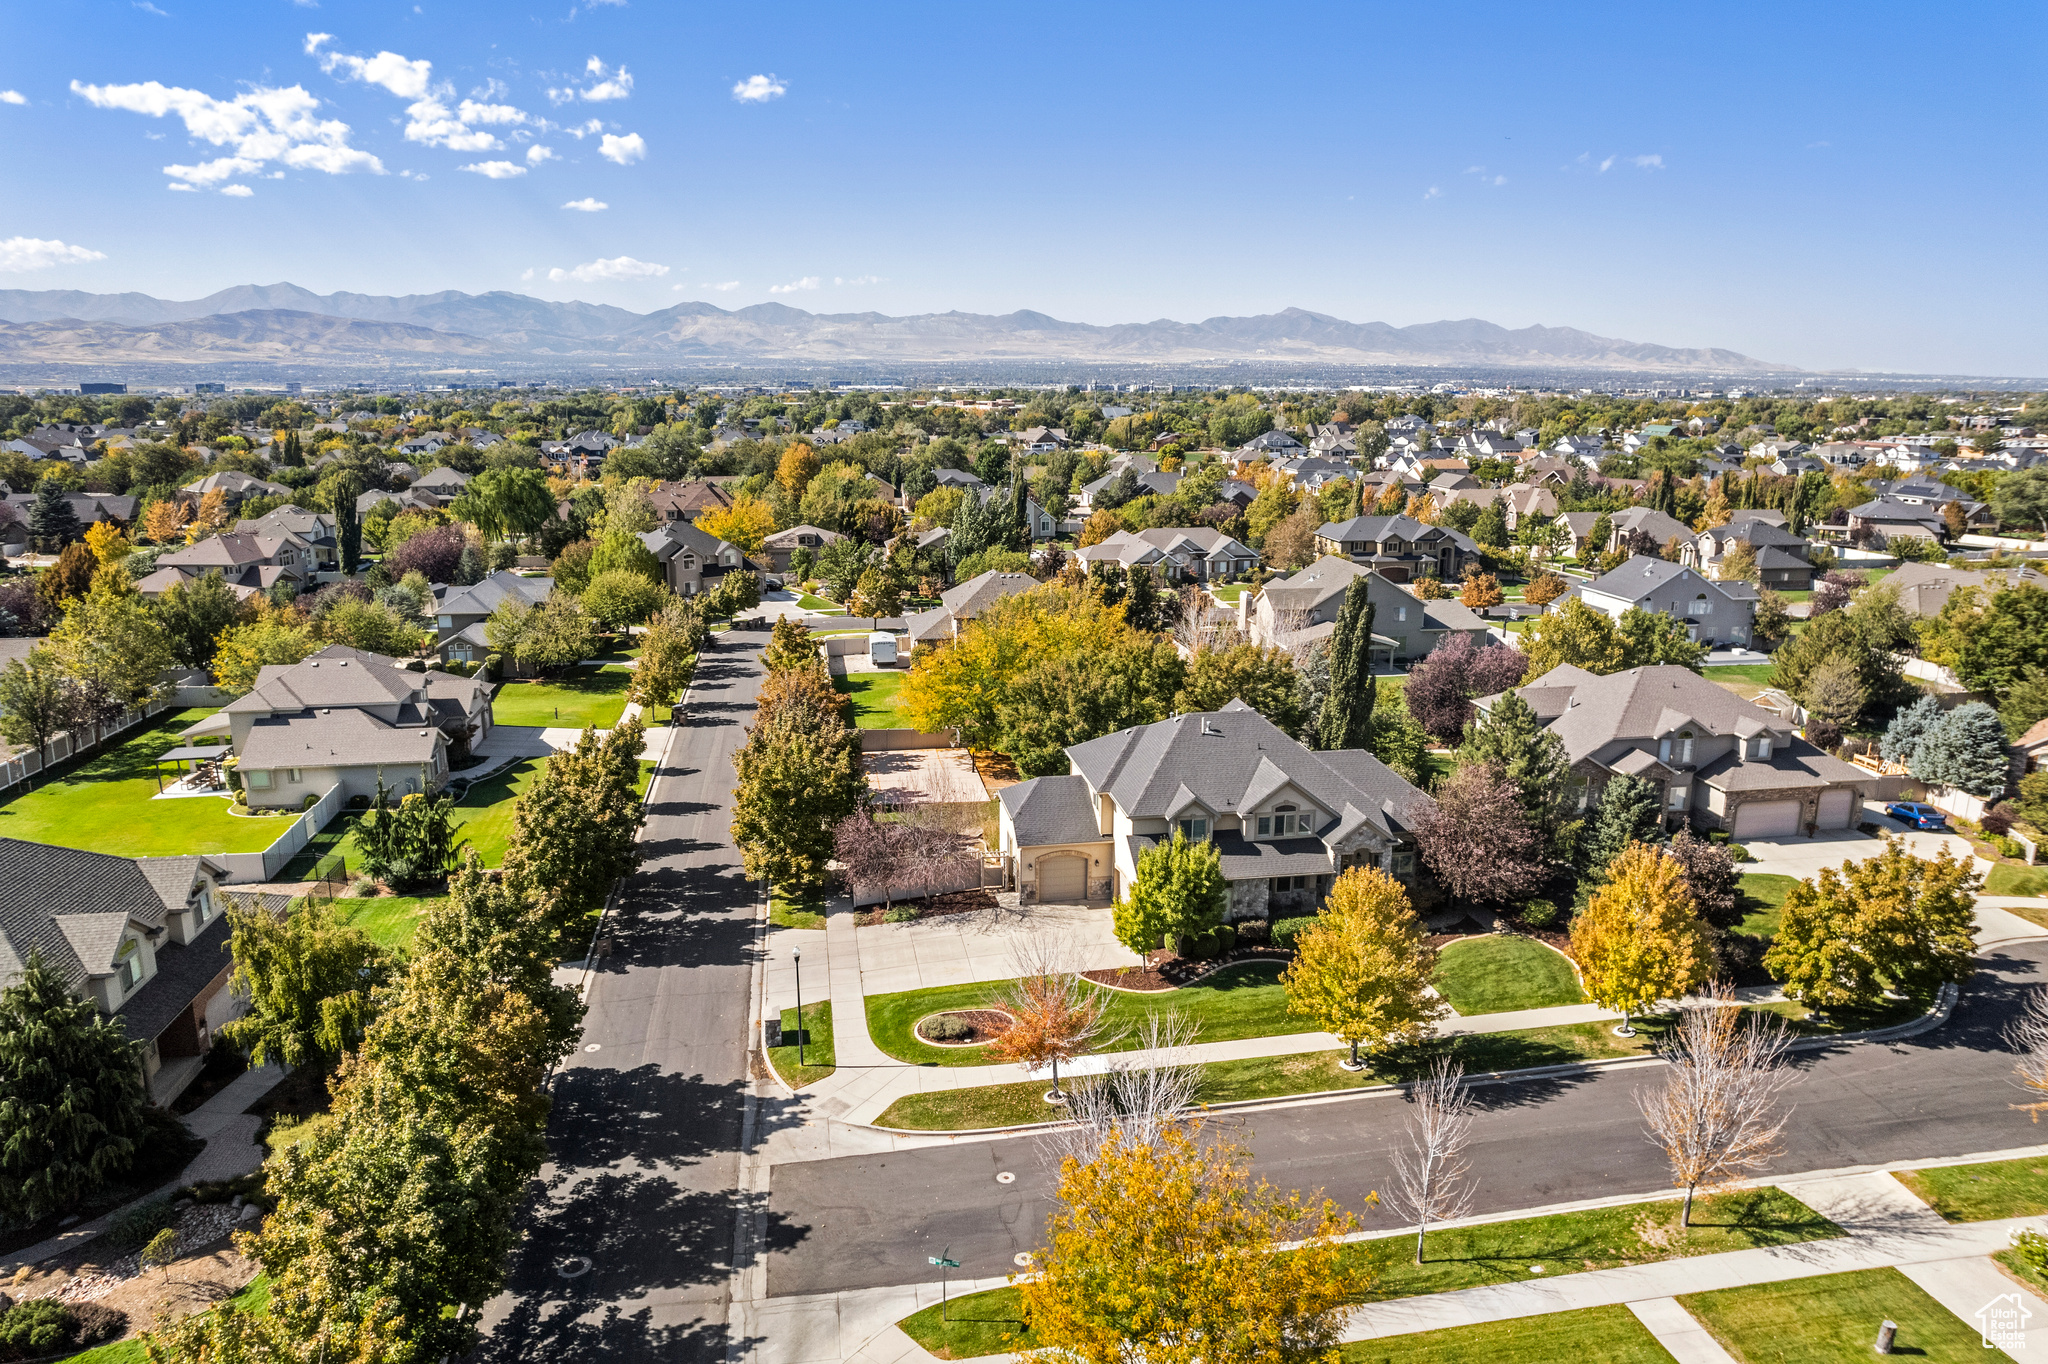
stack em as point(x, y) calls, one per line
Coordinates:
point(1965, 751)
point(1597, 540)
point(348, 523)
point(970, 529)
point(50, 518)
point(1628, 812)
point(1346, 718)
point(1513, 742)
point(1141, 604)
point(71, 1100)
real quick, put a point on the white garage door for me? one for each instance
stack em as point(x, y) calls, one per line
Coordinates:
point(1837, 809)
point(1767, 819)
point(1062, 880)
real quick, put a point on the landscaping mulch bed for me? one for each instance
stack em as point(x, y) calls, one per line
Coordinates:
point(953, 902)
point(1164, 971)
point(986, 1025)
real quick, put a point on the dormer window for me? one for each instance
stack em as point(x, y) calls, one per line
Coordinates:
point(1195, 828)
point(128, 966)
point(1283, 822)
point(1762, 748)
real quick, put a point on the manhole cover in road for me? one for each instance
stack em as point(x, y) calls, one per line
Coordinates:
point(1023, 1259)
point(1006, 1178)
point(575, 1267)
point(595, 1046)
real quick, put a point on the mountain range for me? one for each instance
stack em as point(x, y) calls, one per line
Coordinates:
point(281, 323)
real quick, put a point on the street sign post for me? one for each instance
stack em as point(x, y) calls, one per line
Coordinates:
point(944, 1263)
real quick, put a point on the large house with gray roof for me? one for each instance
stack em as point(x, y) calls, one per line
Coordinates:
point(460, 615)
point(692, 560)
point(350, 719)
point(1285, 818)
point(963, 602)
point(255, 562)
point(1400, 547)
point(143, 938)
point(1303, 608)
point(1192, 554)
point(1780, 555)
point(1717, 761)
point(1713, 612)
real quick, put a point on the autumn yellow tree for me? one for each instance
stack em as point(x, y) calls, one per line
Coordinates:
point(1545, 588)
point(1480, 591)
point(165, 520)
point(1391, 501)
point(1641, 938)
point(963, 682)
point(1055, 1016)
point(798, 467)
point(1168, 1253)
point(1100, 525)
point(1422, 507)
point(743, 525)
point(210, 519)
point(107, 543)
point(1361, 971)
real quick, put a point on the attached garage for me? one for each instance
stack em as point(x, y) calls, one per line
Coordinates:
point(1767, 819)
point(1062, 880)
point(1837, 809)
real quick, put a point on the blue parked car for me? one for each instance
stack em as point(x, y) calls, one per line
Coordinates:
point(1912, 812)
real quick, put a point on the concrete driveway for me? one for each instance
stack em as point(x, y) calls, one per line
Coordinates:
point(1802, 857)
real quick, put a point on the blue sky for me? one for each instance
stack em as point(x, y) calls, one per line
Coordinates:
point(1825, 185)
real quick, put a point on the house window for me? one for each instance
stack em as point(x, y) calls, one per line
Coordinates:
point(1282, 822)
point(1400, 613)
point(259, 781)
point(1282, 884)
point(1763, 746)
point(205, 904)
point(129, 965)
point(1701, 606)
point(1404, 864)
point(1676, 801)
point(291, 774)
point(1195, 829)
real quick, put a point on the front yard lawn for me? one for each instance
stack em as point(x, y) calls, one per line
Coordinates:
point(805, 912)
point(2016, 878)
point(105, 803)
point(990, 1323)
point(1833, 1318)
point(818, 1060)
point(875, 697)
point(579, 699)
point(1981, 1193)
point(1498, 973)
point(811, 603)
point(1759, 673)
point(1763, 898)
point(1238, 1001)
point(1589, 1335)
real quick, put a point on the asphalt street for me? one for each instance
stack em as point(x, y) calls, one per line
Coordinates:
point(870, 1221)
point(629, 1240)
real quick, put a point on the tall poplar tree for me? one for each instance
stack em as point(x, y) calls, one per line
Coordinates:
point(1346, 719)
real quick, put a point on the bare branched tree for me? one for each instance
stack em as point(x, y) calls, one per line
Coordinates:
point(1057, 1015)
point(1716, 1116)
point(929, 847)
point(1194, 621)
point(1430, 1176)
point(1142, 1094)
point(2028, 1035)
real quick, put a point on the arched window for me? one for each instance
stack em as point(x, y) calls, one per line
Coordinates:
point(1282, 822)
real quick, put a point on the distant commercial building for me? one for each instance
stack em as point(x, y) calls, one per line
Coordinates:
point(103, 388)
point(209, 388)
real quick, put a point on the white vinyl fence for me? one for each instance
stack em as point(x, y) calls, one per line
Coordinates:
point(266, 865)
point(18, 769)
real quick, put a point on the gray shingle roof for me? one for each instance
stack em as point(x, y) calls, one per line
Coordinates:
point(1799, 765)
point(969, 599)
point(482, 598)
point(1646, 703)
point(1401, 527)
point(44, 889)
point(336, 676)
point(336, 738)
point(1051, 810)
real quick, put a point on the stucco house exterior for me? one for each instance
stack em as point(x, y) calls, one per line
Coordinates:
point(257, 562)
point(692, 560)
point(143, 938)
point(1718, 761)
point(963, 602)
point(460, 615)
point(1285, 819)
point(1713, 612)
point(1781, 556)
point(1179, 554)
point(1304, 606)
point(1400, 547)
point(784, 543)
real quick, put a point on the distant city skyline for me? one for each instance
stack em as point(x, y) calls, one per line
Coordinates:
point(1826, 187)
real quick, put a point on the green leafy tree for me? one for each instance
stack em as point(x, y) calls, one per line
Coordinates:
point(668, 653)
point(1872, 632)
point(547, 638)
point(1261, 678)
point(505, 501)
point(575, 830)
point(1513, 742)
point(1178, 892)
point(410, 842)
point(308, 977)
point(1577, 634)
point(1491, 529)
point(1361, 970)
point(373, 627)
point(1966, 750)
point(619, 597)
point(1346, 719)
point(623, 551)
point(1628, 811)
point(111, 645)
point(1834, 693)
point(799, 774)
point(1072, 698)
point(1892, 921)
point(2021, 499)
point(2025, 705)
point(1598, 538)
point(194, 614)
point(37, 701)
point(1999, 644)
point(278, 635)
point(790, 647)
point(341, 494)
point(1398, 739)
point(71, 1100)
point(1652, 637)
point(1772, 621)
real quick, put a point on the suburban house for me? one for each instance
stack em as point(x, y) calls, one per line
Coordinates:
point(1042, 440)
point(1780, 555)
point(1925, 588)
point(1149, 484)
point(232, 484)
point(1303, 607)
point(313, 531)
point(1890, 516)
point(1586, 450)
point(687, 501)
point(1400, 547)
point(1523, 499)
point(1718, 761)
point(1578, 529)
point(1661, 529)
point(350, 719)
point(459, 617)
point(406, 500)
point(963, 602)
point(692, 560)
point(783, 543)
point(1284, 818)
point(89, 508)
point(1198, 554)
point(444, 485)
point(144, 939)
point(1714, 613)
point(256, 562)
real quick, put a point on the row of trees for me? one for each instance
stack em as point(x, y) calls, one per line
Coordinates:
point(800, 773)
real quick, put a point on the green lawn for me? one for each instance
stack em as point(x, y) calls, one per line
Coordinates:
point(1763, 897)
point(875, 698)
point(1238, 1001)
point(1981, 1193)
point(1590, 1335)
point(990, 1323)
point(1833, 1318)
point(578, 699)
point(811, 603)
point(1227, 593)
point(253, 1298)
point(2004, 878)
point(105, 803)
point(1759, 673)
point(819, 1059)
point(808, 912)
point(1494, 974)
point(389, 920)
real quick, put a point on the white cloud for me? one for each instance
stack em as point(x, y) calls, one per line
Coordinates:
point(148, 8)
point(624, 150)
point(430, 119)
point(537, 154)
point(263, 125)
point(587, 205)
point(618, 267)
point(527, 273)
point(12, 97)
point(35, 253)
point(759, 89)
point(1433, 193)
point(237, 191)
point(795, 285)
point(1647, 162)
point(496, 170)
point(583, 130)
point(403, 77)
point(1604, 165)
point(189, 189)
point(858, 279)
point(434, 124)
point(611, 83)
point(724, 288)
